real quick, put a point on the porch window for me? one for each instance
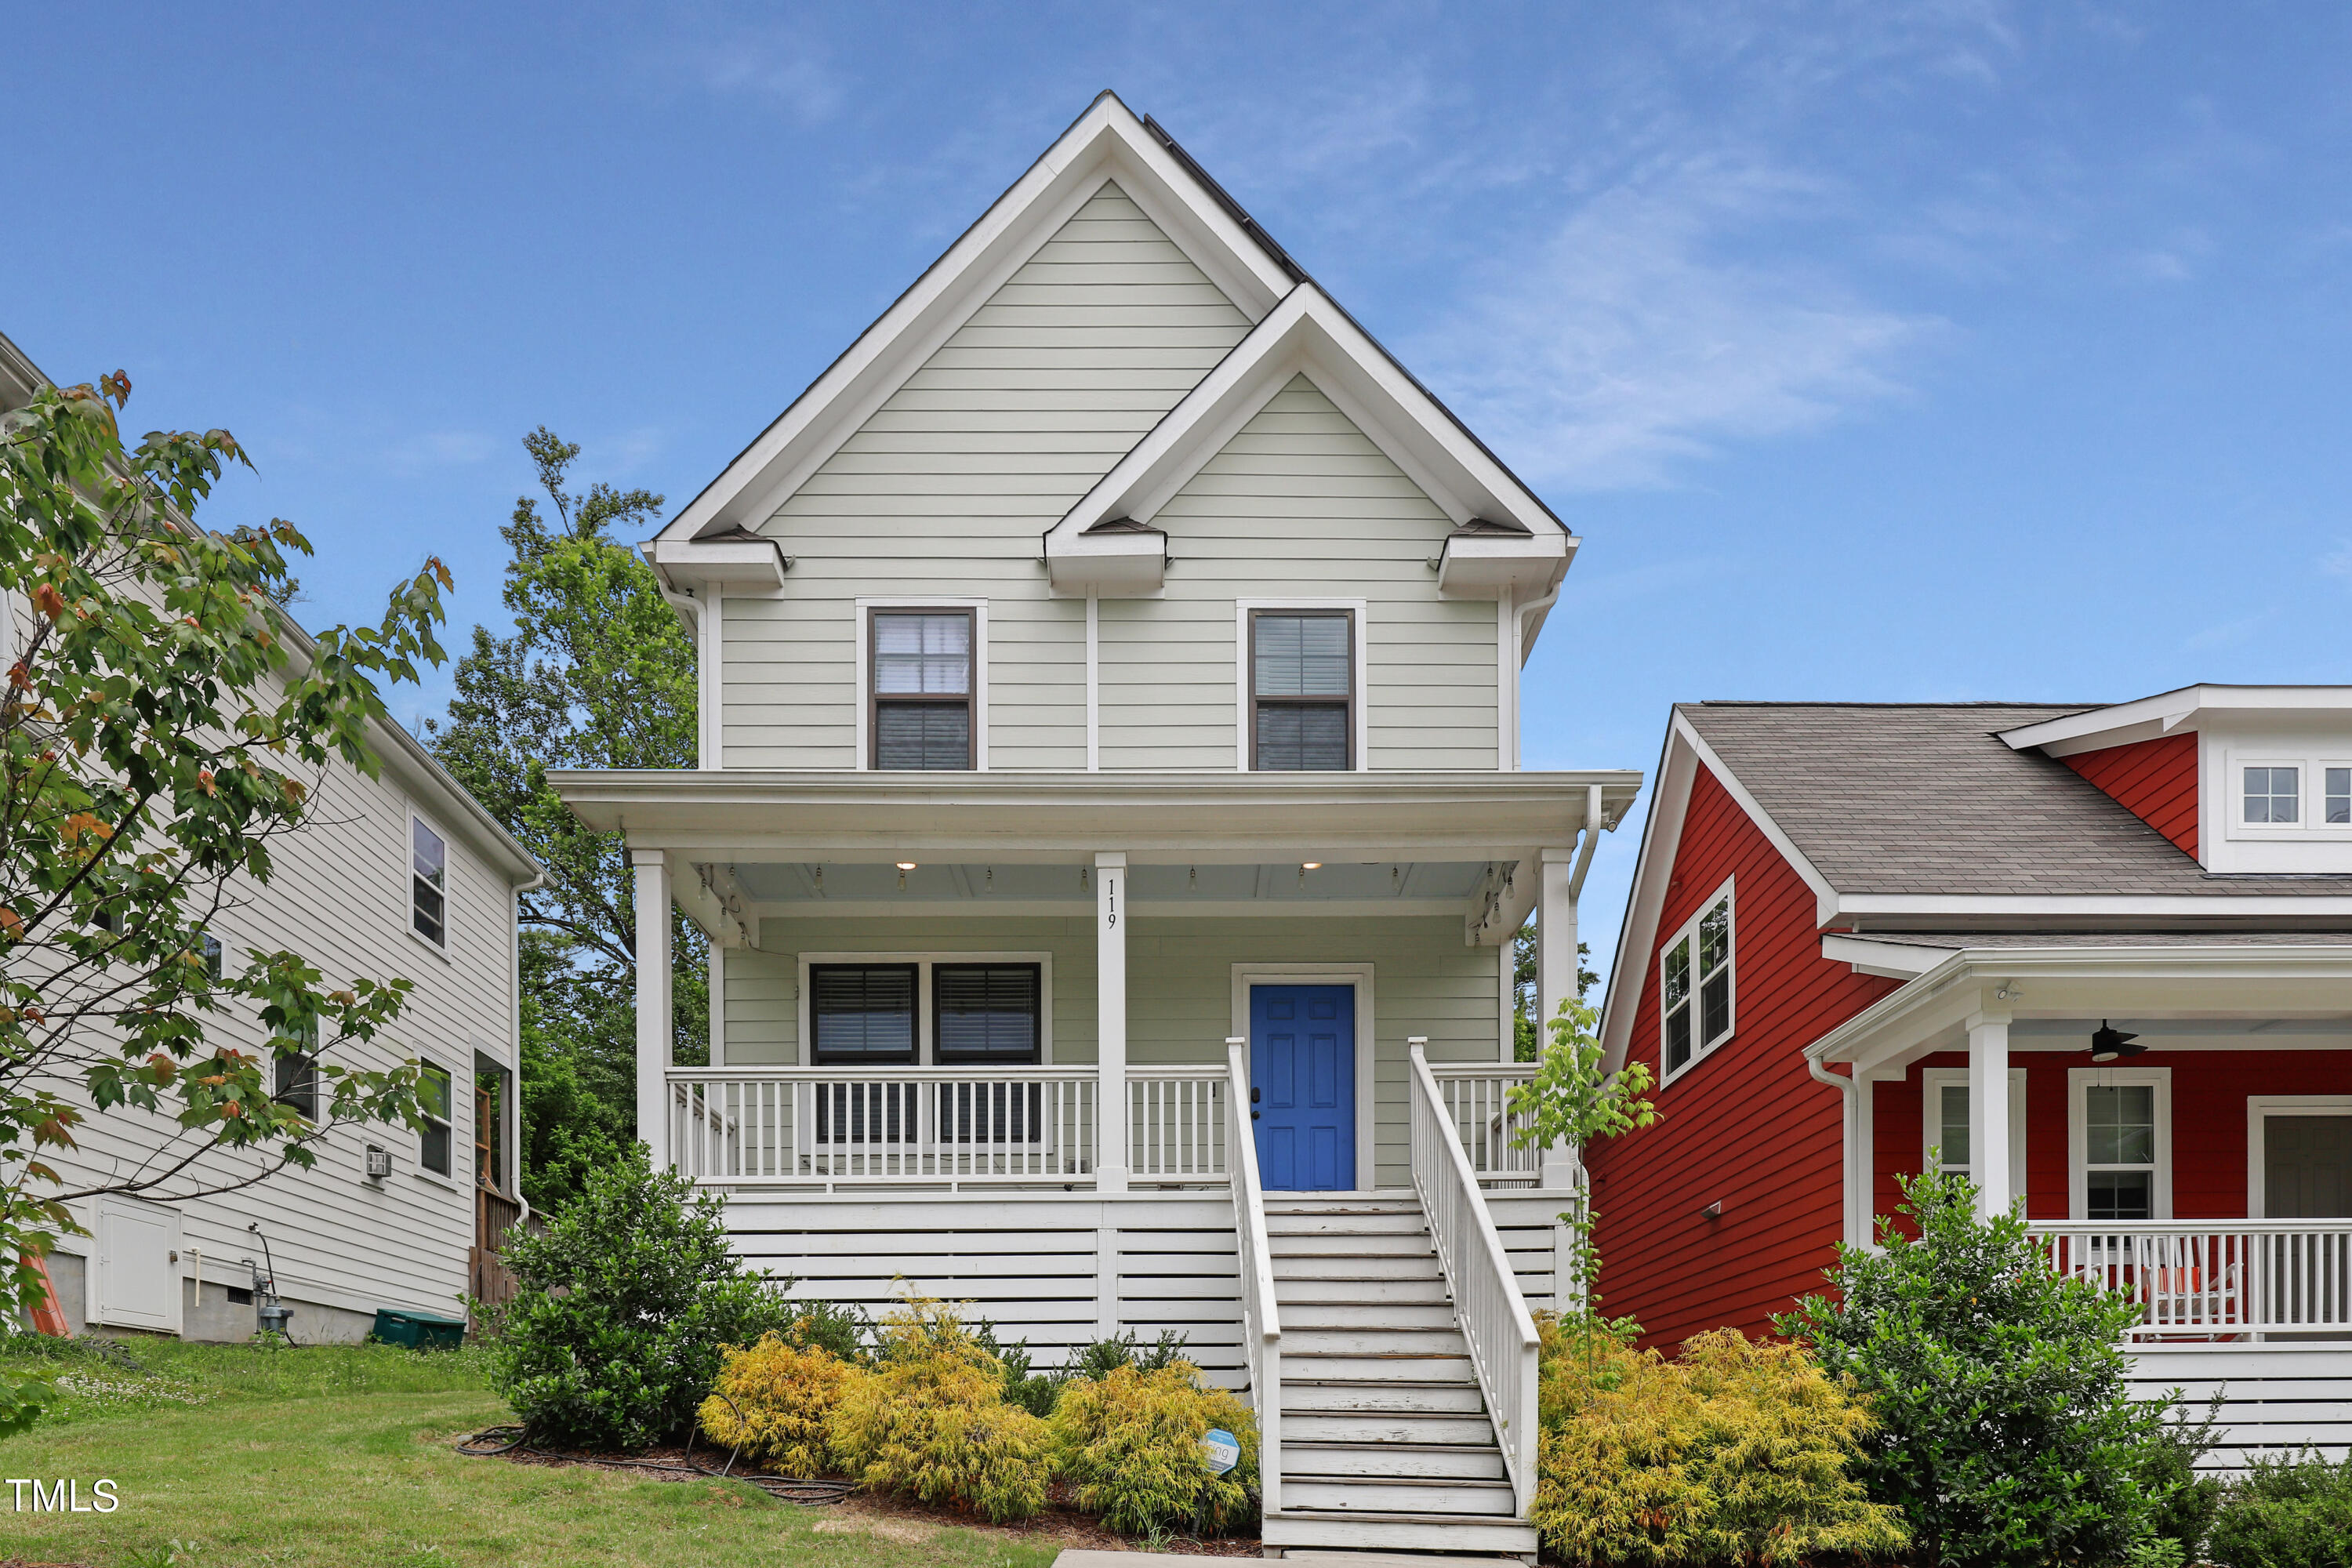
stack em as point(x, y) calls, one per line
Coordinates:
point(984, 1013)
point(922, 689)
point(1695, 981)
point(2119, 1151)
point(2272, 795)
point(1302, 690)
point(1950, 1132)
point(435, 1105)
point(861, 1015)
point(428, 883)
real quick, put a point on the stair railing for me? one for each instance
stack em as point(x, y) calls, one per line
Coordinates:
point(1493, 1314)
point(1261, 1324)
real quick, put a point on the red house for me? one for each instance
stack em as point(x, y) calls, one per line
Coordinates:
point(2098, 958)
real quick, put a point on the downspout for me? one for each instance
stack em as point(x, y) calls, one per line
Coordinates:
point(1592, 836)
point(1535, 610)
point(514, 1113)
point(1848, 1089)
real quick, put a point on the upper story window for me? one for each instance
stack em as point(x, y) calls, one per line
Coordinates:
point(2274, 794)
point(2336, 800)
point(295, 1073)
point(861, 1015)
point(428, 883)
point(1695, 985)
point(2289, 797)
point(435, 1106)
point(1302, 690)
point(921, 662)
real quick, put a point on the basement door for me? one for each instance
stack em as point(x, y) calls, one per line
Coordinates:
point(1303, 1085)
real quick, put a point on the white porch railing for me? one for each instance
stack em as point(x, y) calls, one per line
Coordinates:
point(1477, 1101)
point(1261, 1320)
point(1176, 1124)
point(2218, 1277)
point(893, 1125)
point(1493, 1315)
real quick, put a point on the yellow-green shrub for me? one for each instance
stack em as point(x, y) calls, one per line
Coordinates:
point(1129, 1445)
point(930, 1420)
point(1736, 1451)
point(774, 1404)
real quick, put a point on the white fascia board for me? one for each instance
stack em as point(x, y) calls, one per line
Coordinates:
point(738, 563)
point(1889, 960)
point(1487, 565)
point(1306, 334)
point(1106, 144)
point(1661, 837)
point(2150, 717)
point(1928, 908)
point(1825, 898)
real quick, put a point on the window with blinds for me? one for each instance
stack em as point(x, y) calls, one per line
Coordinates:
point(985, 1013)
point(921, 702)
point(862, 1014)
point(1302, 690)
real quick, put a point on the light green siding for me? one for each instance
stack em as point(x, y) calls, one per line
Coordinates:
point(1180, 986)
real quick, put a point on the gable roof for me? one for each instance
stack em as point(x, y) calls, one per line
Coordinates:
point(1923, 816)
point(1106, 144)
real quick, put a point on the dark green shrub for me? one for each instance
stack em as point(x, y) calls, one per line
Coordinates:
point(845, 1334)
point(2286, 1513)
point(2168, 1472)
point(2005, 1430)
point(1103, 1357)
point(628, 1302)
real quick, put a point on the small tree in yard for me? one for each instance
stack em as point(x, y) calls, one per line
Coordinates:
point(2005, 1429)
point(1572, 1101)
point(160, 729)
point(628, 1303)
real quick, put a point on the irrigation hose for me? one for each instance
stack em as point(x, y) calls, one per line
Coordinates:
point(498, 1441)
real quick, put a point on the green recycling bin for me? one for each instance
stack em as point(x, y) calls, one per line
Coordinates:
point(419, 1331)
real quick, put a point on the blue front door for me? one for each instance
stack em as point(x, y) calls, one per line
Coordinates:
point(1303, 1085)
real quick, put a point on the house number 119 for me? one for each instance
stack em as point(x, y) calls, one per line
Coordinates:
point(1110, 901)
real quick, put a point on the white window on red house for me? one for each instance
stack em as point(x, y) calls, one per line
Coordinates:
point(2119, 1151)
point(2274, 794)
point(1695, 979)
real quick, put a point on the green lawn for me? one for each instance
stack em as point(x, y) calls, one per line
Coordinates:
point(340, 1458)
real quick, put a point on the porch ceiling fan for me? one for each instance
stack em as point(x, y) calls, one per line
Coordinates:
point(2109, 1044)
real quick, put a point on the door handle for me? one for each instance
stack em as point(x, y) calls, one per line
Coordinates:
point(1254, 1116)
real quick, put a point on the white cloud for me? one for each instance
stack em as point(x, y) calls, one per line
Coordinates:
point(1633, 339)
point(2338, 563)
point(792, 73)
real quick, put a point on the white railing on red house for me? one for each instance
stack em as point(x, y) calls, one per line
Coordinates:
point(2222, 1278)
point(909, 1125)
point(1176, 1124)
point(1487, 1306)
point(1477, 1101)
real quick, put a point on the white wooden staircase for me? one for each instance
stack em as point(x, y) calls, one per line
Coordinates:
point(1393, 1360)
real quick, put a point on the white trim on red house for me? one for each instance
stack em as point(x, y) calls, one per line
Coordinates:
point(2079, 1080)
point(2259, 1108)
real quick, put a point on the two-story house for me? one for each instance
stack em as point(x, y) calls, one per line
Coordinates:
point(1111, 829)
point(2098, 958)
point(401, 875)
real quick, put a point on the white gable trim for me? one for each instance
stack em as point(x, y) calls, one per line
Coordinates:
point(1305, 334)
point(2149, 717)
point(1108, 145)
point(1685, 752)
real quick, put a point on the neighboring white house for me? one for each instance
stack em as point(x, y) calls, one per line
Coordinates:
point(403, 875)
point(1109, 785)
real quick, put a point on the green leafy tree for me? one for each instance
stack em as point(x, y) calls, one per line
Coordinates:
point(1524, 1044)
point(164, 724)
point(1572, 1101)
point(2006, 1431)
point(597, 674)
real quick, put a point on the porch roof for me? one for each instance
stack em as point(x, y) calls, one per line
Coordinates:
point(1165, 818)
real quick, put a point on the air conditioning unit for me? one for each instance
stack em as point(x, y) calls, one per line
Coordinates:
point(379, 1162)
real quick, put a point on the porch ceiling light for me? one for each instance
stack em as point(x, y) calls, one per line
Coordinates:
point(905, 865)
point(1310, 865)
point(2109, 1044)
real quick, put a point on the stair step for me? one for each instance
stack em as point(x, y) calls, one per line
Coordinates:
point(1376, 1244)
point(1357, 1530)
point(1395, 1221)
point(1302, 1425)
point(1372, 1341)
point(1378, 1398)
point(1301, 1291)
point(1398, 1494)
point(1392, 1461)
point(1307, 1316)
point(1402, 1370)
point(1358, 1267)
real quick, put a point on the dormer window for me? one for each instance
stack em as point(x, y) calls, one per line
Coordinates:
point(2338, 802)
point(2284, 797)
point(2274, 794)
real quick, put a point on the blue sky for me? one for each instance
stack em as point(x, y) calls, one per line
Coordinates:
point(1878, 351)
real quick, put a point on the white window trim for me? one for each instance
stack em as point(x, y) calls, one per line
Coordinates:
point(1360, 724)
point(448, 883)
point(422, 1171)
point(2311, 796)
point(1933, 1081)
point(1689, 927)
point(1359, 977)
point(2259, 1108)
point(865, 630)
point(2078, 1080)
point(923, 962)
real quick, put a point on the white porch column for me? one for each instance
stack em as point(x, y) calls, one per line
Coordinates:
point(1110, 1020)
point(652, 1002)
point(1555, 973)
point(1989, 1129)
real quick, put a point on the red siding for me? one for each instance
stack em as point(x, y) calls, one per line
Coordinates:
point(2156, 781)
point(1746, 1125)
point(2208, 1121)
